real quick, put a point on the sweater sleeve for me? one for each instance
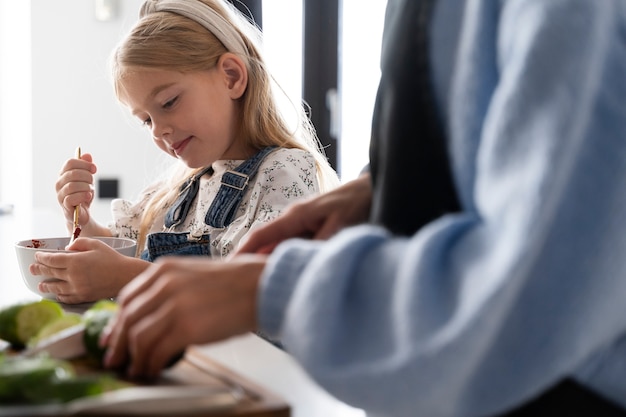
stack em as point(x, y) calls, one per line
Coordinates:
point(481, 310)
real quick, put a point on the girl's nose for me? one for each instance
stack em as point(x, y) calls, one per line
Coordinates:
point(161, 130)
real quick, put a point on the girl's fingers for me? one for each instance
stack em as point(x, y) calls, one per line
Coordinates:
point(60, 288)
point(51, 260)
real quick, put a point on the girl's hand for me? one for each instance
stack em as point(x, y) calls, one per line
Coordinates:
point(75, 187)
point(93, 272)
point(318, 218)
point(179, 301)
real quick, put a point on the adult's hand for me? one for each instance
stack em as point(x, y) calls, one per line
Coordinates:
point(317, 218)
point(179, 301)
point(92, 271)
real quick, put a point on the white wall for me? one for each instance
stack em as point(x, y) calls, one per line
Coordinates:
point(73, 103)
point(15, 103)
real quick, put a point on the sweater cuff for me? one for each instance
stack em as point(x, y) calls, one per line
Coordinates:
point(278, 281)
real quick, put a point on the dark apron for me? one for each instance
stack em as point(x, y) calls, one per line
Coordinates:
point(409, 147)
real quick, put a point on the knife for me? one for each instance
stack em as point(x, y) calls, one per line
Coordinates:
point(65, 344)
point(70, 344)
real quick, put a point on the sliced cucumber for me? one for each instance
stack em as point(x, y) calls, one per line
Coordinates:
point(55, 326)
point(96, 319)
point(20, 322)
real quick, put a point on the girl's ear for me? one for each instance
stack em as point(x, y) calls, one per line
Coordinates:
point(235, 74)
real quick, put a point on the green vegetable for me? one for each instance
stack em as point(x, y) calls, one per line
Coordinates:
point(96, 319)
point(55, 326)
point(107, 305)
point(20, 322)
point(18, 374)
point(68, 389)
point(42, 380)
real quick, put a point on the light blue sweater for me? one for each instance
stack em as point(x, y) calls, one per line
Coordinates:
point(482, 310)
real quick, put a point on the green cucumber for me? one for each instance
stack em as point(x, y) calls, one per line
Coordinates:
point(68, 389)
point(96, 319)
point(55, 326)
point(17, 374)
point(43, 380)
point(20, 322)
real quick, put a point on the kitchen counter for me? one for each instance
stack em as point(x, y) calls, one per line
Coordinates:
point(248, 355)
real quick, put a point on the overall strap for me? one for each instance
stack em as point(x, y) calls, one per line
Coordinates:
point(234, 184)
point(188, 191)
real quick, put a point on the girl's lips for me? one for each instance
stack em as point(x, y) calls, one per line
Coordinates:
point(179, 147)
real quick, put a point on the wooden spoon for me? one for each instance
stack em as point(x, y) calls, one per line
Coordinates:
point(76, 231)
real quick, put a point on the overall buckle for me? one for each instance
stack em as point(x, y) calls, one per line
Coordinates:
point(239, 183)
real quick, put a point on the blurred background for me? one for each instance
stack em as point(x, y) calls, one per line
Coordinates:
point(55, 91)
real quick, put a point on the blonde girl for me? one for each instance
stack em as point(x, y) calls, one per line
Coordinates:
point(191, 71)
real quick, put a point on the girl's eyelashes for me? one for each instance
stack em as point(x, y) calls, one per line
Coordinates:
point(168, 104)
point(147, 122)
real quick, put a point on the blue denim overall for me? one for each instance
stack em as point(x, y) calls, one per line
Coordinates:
point(220, 214)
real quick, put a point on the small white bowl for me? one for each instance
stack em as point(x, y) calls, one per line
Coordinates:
point(25, 250)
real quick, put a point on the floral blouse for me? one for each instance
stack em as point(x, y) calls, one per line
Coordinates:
point(284, 176)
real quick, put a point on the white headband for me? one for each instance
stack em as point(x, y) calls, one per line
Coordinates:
point(203, 14)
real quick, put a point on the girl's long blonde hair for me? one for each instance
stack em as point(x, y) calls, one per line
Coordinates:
point(170, 41)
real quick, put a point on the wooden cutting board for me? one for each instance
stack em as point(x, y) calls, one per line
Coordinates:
point(198, 370)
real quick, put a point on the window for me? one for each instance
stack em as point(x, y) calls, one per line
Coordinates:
point(339, 74)
point(362, 29)
point(282, 37)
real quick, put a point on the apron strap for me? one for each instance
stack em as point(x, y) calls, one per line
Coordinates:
point(234, 184)
point(567, 398)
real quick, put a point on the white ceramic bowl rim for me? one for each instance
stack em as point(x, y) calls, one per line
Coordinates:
point(26, 249)
point(59, 243)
